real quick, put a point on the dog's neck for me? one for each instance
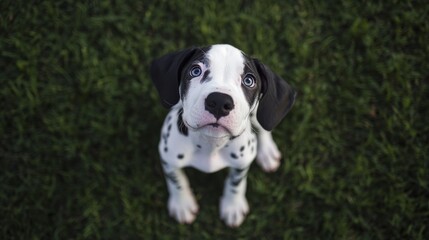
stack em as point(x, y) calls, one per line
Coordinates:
point(212, 143)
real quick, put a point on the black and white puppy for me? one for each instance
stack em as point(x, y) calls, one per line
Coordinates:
point(218, 96)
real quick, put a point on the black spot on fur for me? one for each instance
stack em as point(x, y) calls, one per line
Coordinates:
point(181, 125)
point(166, 149)
point(237, 175)
point(180, 156)
point(198, 146)
point(185, 76)
point(169, 127)
point(173, 178)
point(233, 155)
point(251, 93)
point(205, 77)
point(237, 181)
point(241, 148)
point(165, 138)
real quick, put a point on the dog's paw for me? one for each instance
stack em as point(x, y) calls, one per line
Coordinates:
point(233, 210)
point(268, 156)
point(183, 207)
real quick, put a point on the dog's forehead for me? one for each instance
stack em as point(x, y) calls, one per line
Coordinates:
point(226, 59)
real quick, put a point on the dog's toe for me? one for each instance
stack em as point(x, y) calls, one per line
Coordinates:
point(233, 211)
point(183, 208)
point(268, 156)
point(269, 165)
point(269, 161)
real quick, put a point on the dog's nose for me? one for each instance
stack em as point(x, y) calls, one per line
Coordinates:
point(219, 104)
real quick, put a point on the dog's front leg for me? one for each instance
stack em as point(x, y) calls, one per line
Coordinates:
point(181, 202)
point(268, 155)
point(233, 204)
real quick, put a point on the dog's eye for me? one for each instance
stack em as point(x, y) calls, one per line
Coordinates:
point(249, 81)
point(195, 71)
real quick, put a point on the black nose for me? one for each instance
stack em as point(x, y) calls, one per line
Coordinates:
point(219, 104)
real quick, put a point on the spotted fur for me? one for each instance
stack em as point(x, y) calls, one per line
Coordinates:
point(213, 114)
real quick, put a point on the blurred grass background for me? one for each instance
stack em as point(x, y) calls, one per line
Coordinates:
point(80, 120)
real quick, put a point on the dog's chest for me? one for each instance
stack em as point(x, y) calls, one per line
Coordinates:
point(181, 147)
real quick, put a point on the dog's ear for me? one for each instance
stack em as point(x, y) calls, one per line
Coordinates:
point(277, 97)
point(166, 73)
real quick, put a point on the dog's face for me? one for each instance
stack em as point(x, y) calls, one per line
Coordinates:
point(219, 87)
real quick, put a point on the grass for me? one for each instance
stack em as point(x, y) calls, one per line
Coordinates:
point(80, 119)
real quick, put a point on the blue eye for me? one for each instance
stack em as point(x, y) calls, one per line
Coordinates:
point(195, 71)
point(249, 81)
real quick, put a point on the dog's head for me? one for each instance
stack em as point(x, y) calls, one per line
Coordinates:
point(219, 88)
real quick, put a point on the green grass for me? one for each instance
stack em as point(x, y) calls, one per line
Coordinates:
point(80, 119)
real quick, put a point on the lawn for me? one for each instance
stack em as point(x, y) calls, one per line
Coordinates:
point(80, 119)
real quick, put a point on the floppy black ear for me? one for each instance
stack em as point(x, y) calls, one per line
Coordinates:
point(277, 97)
point(166, 73)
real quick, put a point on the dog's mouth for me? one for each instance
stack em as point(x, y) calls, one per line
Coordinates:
point(215, 125)
point(211, 129)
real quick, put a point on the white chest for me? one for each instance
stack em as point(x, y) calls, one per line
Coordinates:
point(204, 153)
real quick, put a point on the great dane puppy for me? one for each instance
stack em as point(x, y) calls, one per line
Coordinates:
point(223, 105)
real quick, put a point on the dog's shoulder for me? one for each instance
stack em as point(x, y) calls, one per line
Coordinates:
point(174, 143)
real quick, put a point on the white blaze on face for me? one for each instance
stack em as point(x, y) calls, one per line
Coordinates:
point(226, 66)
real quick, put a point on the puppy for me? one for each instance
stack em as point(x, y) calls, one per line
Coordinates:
point(217, 97)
